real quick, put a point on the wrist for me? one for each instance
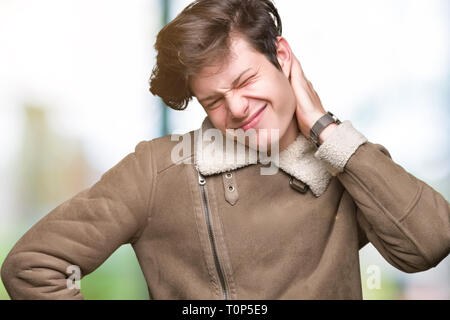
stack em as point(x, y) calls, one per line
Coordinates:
point(312, 119)
point(327, 132)
point(322, 128)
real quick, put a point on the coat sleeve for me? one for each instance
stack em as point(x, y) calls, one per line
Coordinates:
point(404, 218)
point(82, 231)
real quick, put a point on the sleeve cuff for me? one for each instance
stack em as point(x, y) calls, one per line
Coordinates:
point(337, 149)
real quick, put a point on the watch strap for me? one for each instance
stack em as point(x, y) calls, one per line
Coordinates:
point(321, 124)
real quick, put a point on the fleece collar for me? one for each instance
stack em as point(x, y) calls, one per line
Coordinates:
point(296, 160)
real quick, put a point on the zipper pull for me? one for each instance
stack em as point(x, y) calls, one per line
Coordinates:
point(201, 179)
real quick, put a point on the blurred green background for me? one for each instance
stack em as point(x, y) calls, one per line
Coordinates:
point(74, 100)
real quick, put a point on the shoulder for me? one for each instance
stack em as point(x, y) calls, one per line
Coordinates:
point(165, 151)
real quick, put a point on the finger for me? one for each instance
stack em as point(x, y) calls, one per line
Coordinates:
point(297, 75)
point(300, 93)
point(297, 65)
point(298, 80)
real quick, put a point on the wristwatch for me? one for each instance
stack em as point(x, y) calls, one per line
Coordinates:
point(321, 124)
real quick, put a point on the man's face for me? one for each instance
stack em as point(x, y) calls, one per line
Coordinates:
point(247, 91)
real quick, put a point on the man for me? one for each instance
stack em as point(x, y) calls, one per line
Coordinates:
point(205, 227)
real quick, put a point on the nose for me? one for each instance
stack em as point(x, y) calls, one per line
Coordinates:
point(237, 106)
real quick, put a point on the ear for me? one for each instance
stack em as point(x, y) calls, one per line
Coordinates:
point(284, 55)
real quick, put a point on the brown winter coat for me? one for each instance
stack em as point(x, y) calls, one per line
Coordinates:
point(237, 234)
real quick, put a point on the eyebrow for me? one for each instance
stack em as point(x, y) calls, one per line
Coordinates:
point(233, 84)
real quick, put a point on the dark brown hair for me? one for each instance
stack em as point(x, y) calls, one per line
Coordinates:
point(199, 36)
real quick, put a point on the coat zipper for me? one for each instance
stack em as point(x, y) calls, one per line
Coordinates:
point(202, 183)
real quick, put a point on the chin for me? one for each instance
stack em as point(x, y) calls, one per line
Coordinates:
point(268, 139)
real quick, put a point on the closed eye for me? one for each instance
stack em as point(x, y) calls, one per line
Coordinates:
point(213, 103)
point(243, 84)
point(247, 81)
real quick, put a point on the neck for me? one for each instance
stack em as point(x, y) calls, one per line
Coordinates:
point(290, 135)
